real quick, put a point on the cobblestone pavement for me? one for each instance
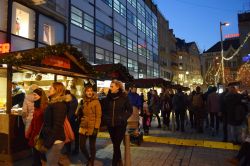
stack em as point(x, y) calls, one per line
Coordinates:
point(150, 154)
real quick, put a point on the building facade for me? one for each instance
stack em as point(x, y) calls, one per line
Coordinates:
point(187, 64)
point(211, 62)
point(117, 31)
point(164, 47)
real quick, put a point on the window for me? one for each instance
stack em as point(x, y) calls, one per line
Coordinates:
point(76, 16)
point(135, 47)
point(47, 34)
point(143, 28)
point(139, 26)
point(131, 18)
point(108, 2)
point(130, 44)
point(140, 9)
point(120, 59)
point(23, 21)
point(103, 56)
point(88, 22)
point(104, 31)
point(180, 57)
point(156, 72)
point(150, 71)
point(81, 19)
point(119, 8)
point(120, 39)
point(132, 3)
point(86, 48)
point(132, 65)
point(3, 14)
point(148, 17)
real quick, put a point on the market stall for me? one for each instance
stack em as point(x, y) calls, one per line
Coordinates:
point(40, 66)
point(107, 72)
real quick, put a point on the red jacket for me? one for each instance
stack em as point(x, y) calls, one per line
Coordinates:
point(35, 126)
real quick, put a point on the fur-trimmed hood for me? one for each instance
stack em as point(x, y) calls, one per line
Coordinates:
point(65, 98)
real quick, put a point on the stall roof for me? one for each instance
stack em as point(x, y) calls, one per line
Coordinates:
point(58, 59)
point(151, 82)
point(113, 71)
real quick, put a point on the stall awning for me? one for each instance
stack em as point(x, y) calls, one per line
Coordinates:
point(113, 71)
point(58, 59)
point(151, 82)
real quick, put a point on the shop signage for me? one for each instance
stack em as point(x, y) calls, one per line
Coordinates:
point(4, 48)
point(57, 61)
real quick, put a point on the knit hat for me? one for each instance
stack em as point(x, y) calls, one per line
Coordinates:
point(38, 91)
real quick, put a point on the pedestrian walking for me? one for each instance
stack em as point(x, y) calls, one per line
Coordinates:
point(54, 117)
point(223, 113)
point(90, 123)
point(40, 103)
point(154, 107)
point(117, 109)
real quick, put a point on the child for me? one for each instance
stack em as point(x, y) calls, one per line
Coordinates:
point(146, 118)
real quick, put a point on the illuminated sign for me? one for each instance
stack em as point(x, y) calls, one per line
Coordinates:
point(57, 61)
point(4, 48)
point(246, 58)
point(232, 35)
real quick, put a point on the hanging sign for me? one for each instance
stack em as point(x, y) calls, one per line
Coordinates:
point(4, 48)
point(57, 61)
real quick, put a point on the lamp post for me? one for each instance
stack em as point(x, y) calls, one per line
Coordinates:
point(221, 45)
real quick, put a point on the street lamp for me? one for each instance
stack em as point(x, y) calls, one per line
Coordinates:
point(221, 45)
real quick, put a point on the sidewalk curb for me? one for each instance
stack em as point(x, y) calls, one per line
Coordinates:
point(183, 142)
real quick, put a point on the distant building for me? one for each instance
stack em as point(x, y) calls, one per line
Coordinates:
point(211, 62)
point(188, 72)
point(164, 47)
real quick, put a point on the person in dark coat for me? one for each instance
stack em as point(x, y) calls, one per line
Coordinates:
point(236, 113)
point(18, 95)
point(54, 117)
point(223, 112)
point(116, 111)
point(179, 106)
point(72, 106)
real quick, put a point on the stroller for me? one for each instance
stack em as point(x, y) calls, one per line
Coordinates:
point(134, 128)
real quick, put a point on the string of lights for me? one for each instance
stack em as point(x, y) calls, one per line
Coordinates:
point(239, 48)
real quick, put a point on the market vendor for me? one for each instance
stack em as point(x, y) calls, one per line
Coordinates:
point(18, 95)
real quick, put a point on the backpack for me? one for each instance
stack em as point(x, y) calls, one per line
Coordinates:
point(197, 100)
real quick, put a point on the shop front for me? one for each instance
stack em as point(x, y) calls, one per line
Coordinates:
point(39, 66)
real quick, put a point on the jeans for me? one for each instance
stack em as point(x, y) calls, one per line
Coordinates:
point(214, 115)
point(180, 117)
point(92, 145)
point(117, 134)
point(53, 154)
point(166, 117)
point(235, 133)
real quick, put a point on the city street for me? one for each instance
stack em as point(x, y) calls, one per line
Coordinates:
point(160, 154)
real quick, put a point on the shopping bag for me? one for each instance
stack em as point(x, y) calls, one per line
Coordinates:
point(69, 134)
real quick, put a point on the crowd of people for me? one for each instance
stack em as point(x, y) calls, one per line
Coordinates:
point(44, 116)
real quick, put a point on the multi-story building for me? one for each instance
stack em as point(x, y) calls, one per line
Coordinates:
point(29, 24)
point(244, 30)
point(117, 31)
point(106, 31)
point(165, 47)
point(211, 62)
point(188, 66)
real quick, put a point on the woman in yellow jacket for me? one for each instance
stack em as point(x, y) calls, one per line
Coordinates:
point(90, 123)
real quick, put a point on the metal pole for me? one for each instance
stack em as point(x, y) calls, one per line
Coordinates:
point(127, 155)
point(222, 59)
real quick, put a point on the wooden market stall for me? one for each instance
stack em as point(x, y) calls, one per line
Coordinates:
point(40, 66)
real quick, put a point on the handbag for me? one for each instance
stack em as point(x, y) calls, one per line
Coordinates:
point(69, 134)
point(39, 142)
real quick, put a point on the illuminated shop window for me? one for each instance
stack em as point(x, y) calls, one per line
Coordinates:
point(47, 34)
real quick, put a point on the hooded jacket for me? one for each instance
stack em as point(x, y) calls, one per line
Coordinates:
point(117, 109)
point(92, 114)
point(54, 117)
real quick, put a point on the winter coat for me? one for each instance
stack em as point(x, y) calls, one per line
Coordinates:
point(117, 109)
point(54, 117)
point(179, 102)
point(72, 106)
point(154, 104)
point(235, 115)
point(35, 126)
point(92, 114)
point(27, 110)
point(213, 102)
